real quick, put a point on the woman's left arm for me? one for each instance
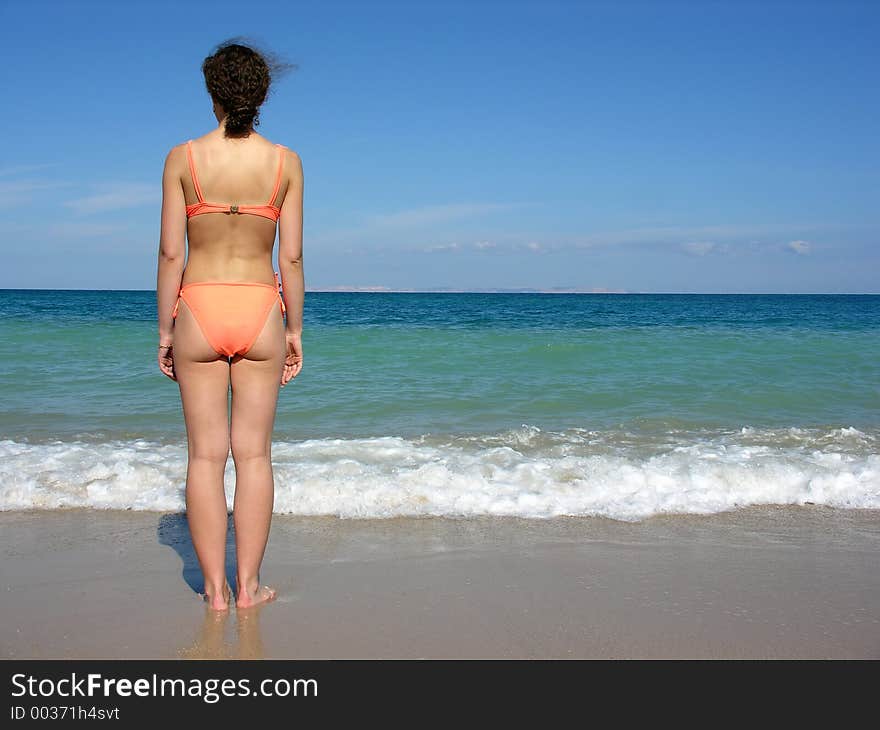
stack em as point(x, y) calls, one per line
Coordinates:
point(172, 246)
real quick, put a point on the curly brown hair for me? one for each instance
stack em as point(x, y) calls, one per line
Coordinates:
point(238, 78)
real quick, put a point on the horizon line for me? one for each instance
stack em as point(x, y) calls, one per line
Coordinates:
point(495, 290)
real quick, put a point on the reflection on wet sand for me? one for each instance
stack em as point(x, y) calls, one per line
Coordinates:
point(215, 640)
point(250, 639)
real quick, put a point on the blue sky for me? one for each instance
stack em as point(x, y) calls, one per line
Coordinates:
point(627, 146)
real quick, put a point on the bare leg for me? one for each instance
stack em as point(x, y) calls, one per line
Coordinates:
point(203, 377)
point(256, 379)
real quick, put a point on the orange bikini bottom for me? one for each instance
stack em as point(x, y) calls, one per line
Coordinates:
point(231, 314)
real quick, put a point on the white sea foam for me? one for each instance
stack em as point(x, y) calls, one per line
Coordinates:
point(524, 472)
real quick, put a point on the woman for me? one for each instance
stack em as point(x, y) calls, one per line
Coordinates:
point(221, 315)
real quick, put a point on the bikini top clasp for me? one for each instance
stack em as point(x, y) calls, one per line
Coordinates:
point(268, 210)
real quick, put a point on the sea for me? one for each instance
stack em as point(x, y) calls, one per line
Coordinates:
point(529, 405)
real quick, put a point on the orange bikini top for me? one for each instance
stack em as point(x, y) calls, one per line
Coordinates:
point(272, 212)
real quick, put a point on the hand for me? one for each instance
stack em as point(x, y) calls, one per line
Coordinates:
point(166, 359)
point(293, 361)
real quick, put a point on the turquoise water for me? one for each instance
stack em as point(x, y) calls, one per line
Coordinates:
point(397, 382)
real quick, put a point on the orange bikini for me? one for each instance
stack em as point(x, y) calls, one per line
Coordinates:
point(231, 314)
point(268, 210)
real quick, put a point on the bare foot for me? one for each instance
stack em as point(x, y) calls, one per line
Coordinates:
point(218, 602)
point(263, 594)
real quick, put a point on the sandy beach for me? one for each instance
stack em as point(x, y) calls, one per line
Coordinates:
point(755, 583)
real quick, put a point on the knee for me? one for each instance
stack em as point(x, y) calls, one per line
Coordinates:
point(246, 448)
point(211, 453)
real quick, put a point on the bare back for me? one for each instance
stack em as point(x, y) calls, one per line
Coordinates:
point(227, 246)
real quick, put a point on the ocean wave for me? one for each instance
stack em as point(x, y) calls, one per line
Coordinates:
point(524, 472)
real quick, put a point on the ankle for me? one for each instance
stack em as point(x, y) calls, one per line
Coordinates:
point(215, 588)
point(248, 584)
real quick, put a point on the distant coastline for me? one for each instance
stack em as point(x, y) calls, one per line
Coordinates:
point(452, 290)
point(564, 290)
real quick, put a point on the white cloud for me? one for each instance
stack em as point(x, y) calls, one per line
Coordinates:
point(18, 169)
point(698, 248)
point(117, 197)
point(534, 246)
point(442, 247)
point(434, 214)
point(799, 247)
point(664, 235)
point(14, 193)
point(83, 230)
point(732, 239)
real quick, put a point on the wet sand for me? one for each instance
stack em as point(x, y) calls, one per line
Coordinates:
point(756, 583)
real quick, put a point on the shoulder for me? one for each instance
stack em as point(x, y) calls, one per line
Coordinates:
point(292, 162)
point(176, 156)
point(289, 154)
point(178, 149)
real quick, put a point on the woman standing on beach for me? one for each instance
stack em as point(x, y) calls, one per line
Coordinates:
point(221, 312)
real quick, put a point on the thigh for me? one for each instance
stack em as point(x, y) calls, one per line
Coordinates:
point(203, 378)
point(256, 379)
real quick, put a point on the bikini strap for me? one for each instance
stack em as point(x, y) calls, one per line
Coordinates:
point(281, 149)
point(176, 307)
point(280, 295)
point(192, 171)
